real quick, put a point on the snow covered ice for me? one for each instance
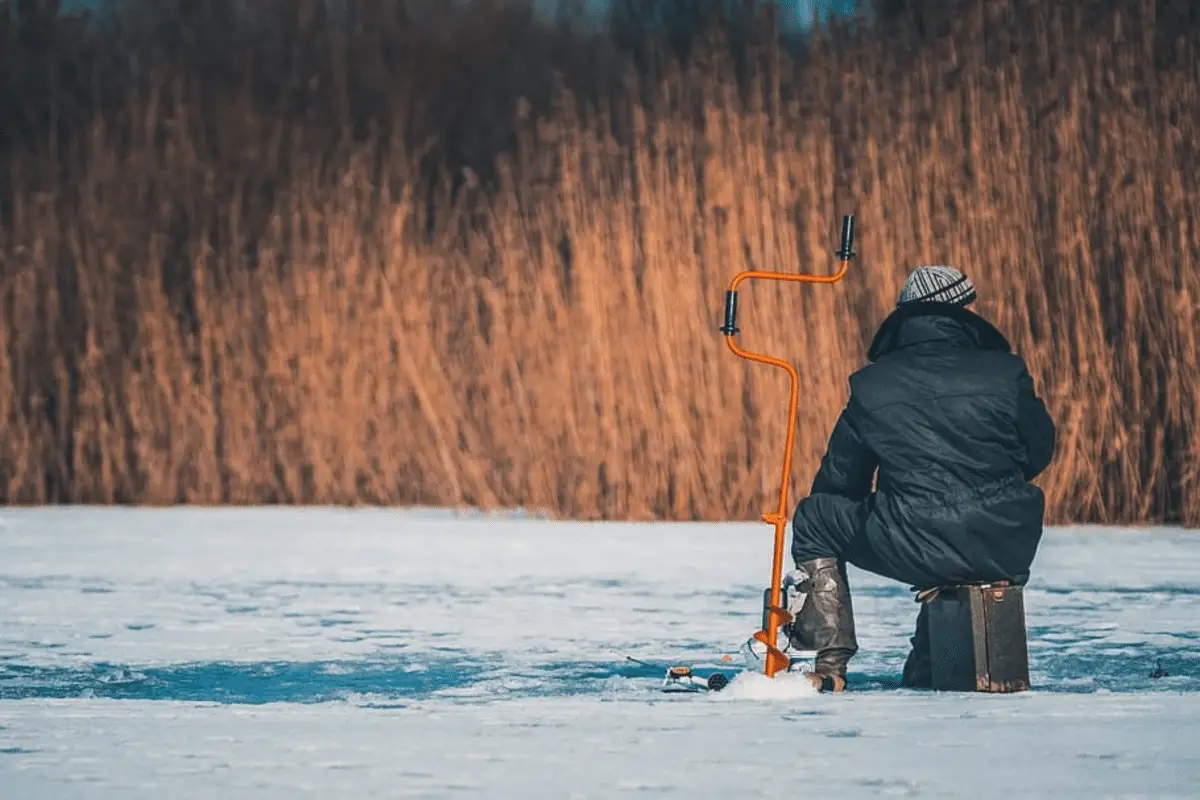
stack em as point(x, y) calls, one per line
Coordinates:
point(288, 653)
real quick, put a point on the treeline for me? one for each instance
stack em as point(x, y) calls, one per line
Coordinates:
point(293, 251)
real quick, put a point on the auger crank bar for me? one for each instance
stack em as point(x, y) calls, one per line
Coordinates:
point(774, 614)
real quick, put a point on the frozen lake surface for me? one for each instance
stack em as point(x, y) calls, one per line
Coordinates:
point(291, 653)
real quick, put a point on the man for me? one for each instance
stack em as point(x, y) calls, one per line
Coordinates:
point(949, 417)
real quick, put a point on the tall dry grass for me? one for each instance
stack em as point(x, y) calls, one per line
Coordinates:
point(239, 276)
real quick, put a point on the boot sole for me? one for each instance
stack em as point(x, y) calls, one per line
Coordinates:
point(827, 683)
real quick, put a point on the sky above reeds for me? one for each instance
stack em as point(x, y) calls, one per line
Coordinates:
point(797, 13)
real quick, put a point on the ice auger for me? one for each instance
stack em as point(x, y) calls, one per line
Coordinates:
point(774, 614)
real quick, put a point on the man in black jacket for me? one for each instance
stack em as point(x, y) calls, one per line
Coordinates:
point(949, 417)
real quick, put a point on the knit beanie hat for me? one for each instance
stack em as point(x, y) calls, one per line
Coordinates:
point(937, 284)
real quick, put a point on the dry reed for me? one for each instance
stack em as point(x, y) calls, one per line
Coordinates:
point(216, 293)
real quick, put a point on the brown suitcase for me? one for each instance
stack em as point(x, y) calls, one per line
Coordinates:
point(977, 639)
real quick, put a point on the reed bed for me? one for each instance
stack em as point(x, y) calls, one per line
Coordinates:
point(407, 257)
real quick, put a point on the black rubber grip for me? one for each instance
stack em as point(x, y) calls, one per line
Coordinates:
point(730, 326)
point(847, 251)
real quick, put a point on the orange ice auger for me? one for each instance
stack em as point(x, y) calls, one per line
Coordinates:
point(774, 615)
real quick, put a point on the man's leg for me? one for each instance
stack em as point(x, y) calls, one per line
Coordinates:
point(825, 526)
point(822, 530)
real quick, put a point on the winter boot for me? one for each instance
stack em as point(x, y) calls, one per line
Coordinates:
point(825, 622)
point(918, 667)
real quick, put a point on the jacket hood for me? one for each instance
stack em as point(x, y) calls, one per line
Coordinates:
point(935, 323)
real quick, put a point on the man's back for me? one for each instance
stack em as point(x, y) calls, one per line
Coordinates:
point(951, 421)
point(941, 406)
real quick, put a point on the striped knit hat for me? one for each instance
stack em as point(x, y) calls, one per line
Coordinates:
point(937, 284)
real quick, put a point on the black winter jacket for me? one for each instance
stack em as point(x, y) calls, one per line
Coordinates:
point(949, 417)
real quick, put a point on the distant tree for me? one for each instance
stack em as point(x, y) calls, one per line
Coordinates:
point(654, 31)
point(679, 23)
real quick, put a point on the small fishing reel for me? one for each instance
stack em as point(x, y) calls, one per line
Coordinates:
point(682, 678)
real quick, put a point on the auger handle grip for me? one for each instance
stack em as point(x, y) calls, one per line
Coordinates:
point(730, 327)
point(847, 251)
